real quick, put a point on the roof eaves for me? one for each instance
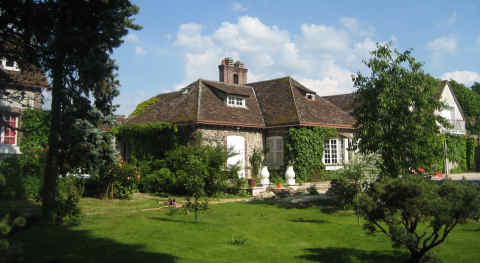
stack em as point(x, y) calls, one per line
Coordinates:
point(199, 90)
point(258, 105)
point(293, 98)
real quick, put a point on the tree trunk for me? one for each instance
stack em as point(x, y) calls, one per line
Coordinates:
point(415, 257)
point(49, 191)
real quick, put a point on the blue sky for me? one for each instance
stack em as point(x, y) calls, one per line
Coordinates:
point(319, 43)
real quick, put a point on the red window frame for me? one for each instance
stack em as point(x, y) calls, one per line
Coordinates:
point(9, 134)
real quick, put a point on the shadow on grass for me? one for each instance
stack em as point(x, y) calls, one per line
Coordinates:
point(302, 220)
point(350, 255)
point(164, 219)
point(59, 244)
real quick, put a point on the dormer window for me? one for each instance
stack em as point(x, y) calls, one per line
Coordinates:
point(235, 101)
point(9, 64)
point(310, 96)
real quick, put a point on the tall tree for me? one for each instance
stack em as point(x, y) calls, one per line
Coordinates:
point(395, 116)
point(72, 41)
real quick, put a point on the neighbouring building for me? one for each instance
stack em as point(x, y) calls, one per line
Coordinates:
point(245, 116)
point(452, 112)
point(23, 90)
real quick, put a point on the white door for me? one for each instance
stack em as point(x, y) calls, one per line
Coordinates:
point(237, 144)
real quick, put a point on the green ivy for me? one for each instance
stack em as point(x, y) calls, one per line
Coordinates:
point(144, 106)
point(304, 147)
point(457, 152)
point(472, 146)
point(152, 140)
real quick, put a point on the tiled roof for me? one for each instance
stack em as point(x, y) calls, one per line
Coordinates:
point(272, 103)
point(30, 79)
point(343, 101)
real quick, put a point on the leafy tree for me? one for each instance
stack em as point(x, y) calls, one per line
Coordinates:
point(476, 87)
point(395, 113)
point(418, 214)
point(71, 41)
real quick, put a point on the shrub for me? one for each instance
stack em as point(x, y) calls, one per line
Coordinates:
point(114, 181)
point(418, 214)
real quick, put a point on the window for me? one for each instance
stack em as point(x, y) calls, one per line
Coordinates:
point(235, 101)
point(235, 79)
point(9, 134)
point(9, 64)
point(333, 151)
point(275, 150)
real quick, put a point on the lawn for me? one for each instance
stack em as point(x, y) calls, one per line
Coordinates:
point(126, 231)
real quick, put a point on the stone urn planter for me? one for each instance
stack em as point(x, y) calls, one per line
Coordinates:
point(290, 175)
point(264, 176)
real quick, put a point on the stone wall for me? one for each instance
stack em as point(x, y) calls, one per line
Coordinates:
point(253, 139)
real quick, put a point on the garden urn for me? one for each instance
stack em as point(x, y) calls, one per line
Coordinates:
point(265, 176)
point(290, 175)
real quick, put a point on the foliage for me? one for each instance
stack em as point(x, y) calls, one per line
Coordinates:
point(144, 106)
point(304, 147)
point(70, 190)
point(472, 156)
point(7, 224)
point(190, 170)
point(118, 180)
point(416, 213)
point(196, 206)
point(256, 162)
point(72, 42)
point(457, 152)
point(470, 102)
point(395, 113)
point(35, 124)
point(355, 178)
point(152, 140)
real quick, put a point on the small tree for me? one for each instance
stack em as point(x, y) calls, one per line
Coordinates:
point(396, 113)
point(418, 214)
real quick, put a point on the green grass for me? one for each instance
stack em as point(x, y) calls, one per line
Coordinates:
point(229, 232)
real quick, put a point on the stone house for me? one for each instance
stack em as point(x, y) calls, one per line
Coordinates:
point(245, 116)
point(20, 90)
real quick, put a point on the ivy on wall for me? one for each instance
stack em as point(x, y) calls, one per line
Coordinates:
point(472, 154)
point(144, 106)
point(304, 148)
point(152, 140)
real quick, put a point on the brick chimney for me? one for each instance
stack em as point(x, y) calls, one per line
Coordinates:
point(233, 73)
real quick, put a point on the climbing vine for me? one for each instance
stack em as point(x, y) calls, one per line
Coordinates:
point(457, 152)
point(304, 148)
point(152, 140)
point(144, 106)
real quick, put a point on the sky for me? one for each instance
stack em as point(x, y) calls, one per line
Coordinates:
point(319, 43)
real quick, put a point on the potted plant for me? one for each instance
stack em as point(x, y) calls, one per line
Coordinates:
point(255, 166)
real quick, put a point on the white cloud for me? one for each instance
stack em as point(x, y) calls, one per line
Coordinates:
point(140, 51)
point(441, 47)
point(320, 37)
point(322, 57)
point(462, 76)
point(238, 7)
point(190, 36)
point(452, 19)
point(444, 44)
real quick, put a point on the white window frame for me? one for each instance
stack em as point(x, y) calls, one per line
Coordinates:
point(275, 150)
point(3, 128)
point(333, 151)
point(14, 68)
point(235, 101)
